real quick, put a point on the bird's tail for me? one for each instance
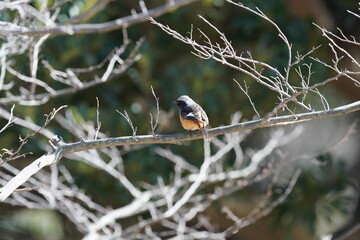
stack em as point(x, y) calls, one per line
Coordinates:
point(205, 134)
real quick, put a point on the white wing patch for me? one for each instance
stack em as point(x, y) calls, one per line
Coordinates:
point(191, 114)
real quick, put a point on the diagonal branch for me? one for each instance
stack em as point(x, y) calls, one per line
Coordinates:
point(97, 27)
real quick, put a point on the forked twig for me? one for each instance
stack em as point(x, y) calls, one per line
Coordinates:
point(128, 119)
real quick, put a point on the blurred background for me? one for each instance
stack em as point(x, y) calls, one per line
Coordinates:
point(326, 194)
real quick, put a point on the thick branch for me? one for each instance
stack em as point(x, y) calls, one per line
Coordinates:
point(182, 137)
point(26, 173)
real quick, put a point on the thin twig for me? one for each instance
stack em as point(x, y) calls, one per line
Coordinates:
point(243, 222)
point(128, 119)
point(245, 91)
point(98, 123)
point(154, 125)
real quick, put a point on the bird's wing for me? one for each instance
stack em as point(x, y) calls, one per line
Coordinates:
point(204, 117)
point(194, 116)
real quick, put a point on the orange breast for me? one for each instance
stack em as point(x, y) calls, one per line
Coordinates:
point(190, 125)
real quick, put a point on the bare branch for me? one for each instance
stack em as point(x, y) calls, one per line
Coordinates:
point(27, 172)
point(178, 160)
point(241, 223)
point(176, 138)
point(154, 125)
point(245, 91)
point(226, 56)
point(10, 119)
point(115, 67)
point(12, 155)
point(128, 119)
point(98, 123)
point(129, 210)
point(330, 36)
point(95, 27)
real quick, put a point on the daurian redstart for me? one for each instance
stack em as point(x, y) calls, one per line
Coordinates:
point(192, 116)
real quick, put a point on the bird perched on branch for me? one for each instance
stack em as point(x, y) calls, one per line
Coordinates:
point(192, 116)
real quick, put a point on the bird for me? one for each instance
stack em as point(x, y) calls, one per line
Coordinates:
point(192, 116)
